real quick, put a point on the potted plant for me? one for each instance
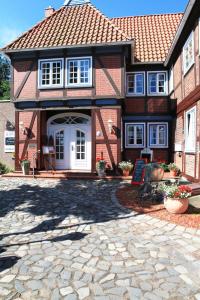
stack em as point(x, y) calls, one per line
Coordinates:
point(153, 172)
point(25, 164)
point(126, 167)
point(176, 198)
point(164, 166)
point(101, 167)
point(174, 170)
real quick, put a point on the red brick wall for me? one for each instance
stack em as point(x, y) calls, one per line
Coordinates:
point(20, 70)
point(134, 105)
point(184, 84)
point(158, 154)
point(25, 144)
point(113, 64)
point(157, 105)
point(107, 114)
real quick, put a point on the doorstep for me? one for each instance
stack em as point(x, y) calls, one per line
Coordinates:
point(64, 175)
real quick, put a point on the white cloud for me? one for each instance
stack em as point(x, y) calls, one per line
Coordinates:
point(7, 35)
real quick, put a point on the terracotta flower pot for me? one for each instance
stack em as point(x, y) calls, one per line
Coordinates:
point(173, 173)
point(157, 174)
point(126, 173)
point(176, 206)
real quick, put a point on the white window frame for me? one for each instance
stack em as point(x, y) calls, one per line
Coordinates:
point(199, 36)
point(74, 85)
point(144, 135)
point(166, 84)
point(188, 148)
point(50, 86)
point(167, 135)
point(144, 86)
point(171, 80)
point(186, 69)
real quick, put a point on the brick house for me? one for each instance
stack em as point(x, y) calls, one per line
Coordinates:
point(98, 85)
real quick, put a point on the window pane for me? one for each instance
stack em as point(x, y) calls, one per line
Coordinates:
point(135, 135)
point(130, 135)
point(79, 71)
point(158, 134)
point(135, 83)
point(130, 84)
point(191, 130)
point(162, 135)
point(80, 145)
point(153, 83)
point(59, 145)
point(73, 71)
point(139, 134)
point(161, 82)
point(153, 131)
point(45, 73)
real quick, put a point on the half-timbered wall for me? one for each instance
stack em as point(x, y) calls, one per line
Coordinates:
point(187, 94)
point(108, 80)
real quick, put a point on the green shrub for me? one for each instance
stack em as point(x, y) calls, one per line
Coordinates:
point(4, 169)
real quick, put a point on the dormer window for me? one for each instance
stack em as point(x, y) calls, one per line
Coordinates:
point(50, 73)
point(79, 72)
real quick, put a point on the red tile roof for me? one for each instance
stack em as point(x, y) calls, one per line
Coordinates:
point(81, 25)
point(153, 34)
point(70, 26)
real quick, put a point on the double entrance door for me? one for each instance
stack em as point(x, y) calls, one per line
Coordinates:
point(72, 145)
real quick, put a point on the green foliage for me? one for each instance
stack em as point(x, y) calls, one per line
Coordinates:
point(4, 169)
point(4, 78)
point(164, 167)
point(4, 90)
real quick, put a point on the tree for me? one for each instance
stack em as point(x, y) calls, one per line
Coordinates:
point(4, 78)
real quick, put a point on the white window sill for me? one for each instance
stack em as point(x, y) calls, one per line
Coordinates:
point(134, 95)
point(135, 147)
point(158, 147)
point(79, 86)
point(158, 95)
point(55, 87)
point(190, 151)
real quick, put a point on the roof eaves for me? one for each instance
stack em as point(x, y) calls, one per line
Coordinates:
point(130, 42)
point(180, 29)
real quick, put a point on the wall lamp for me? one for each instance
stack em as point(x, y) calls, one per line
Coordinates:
point(110, 126)
point(22, 128)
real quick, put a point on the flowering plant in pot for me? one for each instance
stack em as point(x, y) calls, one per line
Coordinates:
point(101, 167)
point(25, 164)
point(174, 170)
point(126, 167)
point(153, 172)
point(176, 198)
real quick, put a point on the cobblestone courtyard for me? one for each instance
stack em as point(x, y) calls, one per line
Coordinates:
point(71, 240)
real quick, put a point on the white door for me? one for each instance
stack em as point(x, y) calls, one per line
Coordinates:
point(80, 147)
point(61, 144)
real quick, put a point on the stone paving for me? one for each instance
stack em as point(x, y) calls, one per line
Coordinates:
point(71, 240)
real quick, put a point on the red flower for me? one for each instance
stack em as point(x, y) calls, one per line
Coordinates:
point(184, 189)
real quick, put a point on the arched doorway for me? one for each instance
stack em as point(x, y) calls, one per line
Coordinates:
point(72, 139)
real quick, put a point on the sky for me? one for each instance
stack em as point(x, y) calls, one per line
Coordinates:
point(17, 16)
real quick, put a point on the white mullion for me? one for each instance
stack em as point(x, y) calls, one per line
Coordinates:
point(135, 133)
point(135, 75)
point(51, 74)
point(79, 72)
